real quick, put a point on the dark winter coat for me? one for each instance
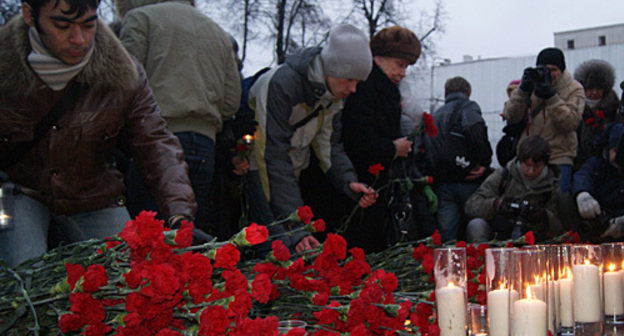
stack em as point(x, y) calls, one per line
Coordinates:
point(594, 121)
point(371, 121)
point(71, 169)
point(473, 126)
point(603, 181)
point(543, 192)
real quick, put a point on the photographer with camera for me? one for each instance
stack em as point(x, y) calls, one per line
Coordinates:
point(520, 197)
point(552, 103)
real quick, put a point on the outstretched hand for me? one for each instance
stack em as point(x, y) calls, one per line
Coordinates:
point(307, 243)
point(369, 196)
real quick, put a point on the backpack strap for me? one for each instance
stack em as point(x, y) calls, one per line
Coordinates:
point(504, 183)
point(310, 116)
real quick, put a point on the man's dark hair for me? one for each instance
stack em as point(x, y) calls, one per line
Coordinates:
point(534, 147)
point(456, 84)
point(79, 7)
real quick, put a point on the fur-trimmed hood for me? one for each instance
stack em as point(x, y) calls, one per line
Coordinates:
point(123, 6)
point(110, 65)
point(595, 73)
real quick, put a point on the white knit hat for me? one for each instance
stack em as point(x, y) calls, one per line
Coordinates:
point(347, 54)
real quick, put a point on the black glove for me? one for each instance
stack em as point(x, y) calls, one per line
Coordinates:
point(242, 126)
point(544, 90)
point(176, 221)
point(529, 76)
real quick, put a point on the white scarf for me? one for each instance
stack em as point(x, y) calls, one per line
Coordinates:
point(50, 69)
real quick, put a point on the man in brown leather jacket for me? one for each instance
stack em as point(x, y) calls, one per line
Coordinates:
point(69, 175)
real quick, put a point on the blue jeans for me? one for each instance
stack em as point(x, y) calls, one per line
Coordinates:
point(451, 200)
point(199, 154)
point(28, 238)
point(565, 179)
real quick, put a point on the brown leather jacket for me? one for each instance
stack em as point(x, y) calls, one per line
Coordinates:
point(71, 170)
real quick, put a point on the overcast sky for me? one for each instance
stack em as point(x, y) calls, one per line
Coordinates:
point(499, 28)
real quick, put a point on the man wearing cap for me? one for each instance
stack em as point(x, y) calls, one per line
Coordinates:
point(297, 108)
point(371, 122)
point(553, 105)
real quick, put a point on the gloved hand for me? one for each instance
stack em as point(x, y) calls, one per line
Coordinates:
point(242, 126)
point(615, 229)
point(529, 76)
point(432, 199)
point(588, 207)
point(174, 222)
point(544, 90)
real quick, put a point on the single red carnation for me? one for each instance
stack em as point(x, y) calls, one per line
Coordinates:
point(600, 114)
point(305, 214)
point(261, 288)
point(375, 169)
point(97, 329)
point(529, 238)
point(227, 256)
point(239, 148)
point(437, 238)
point(184, 235)
point(319, 225)
point(70, 322)
point(280, 251)
point(256, 234)
point(94, 278)
point(429, 125)
point(74, 273)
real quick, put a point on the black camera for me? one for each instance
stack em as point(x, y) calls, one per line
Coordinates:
point(540, 74)
point(521, 207)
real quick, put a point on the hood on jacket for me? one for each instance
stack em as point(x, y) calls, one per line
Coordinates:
point(110, 65)
point(595, 74)
point(123, 6)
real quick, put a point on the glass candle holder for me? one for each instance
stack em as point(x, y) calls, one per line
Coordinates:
point(287, 325)
point(565, 312)
point(451, 290)
point(529, 314)
point(613, 282)
point(499, 274)
point(477, 323)
point(587, 291)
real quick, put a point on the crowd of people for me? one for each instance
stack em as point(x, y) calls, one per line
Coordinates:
point(100, 122)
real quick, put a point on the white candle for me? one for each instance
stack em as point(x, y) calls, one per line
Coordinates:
point(451, 309)
point(586, 293)
point(566, 314)
point(498, 312)
point(529, 317)
point(613, 300)
point(551, 307)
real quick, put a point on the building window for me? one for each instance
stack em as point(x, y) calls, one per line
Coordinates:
point(602, 40)
point(570, 44)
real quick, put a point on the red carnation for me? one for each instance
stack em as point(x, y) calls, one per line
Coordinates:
point(305, 214)
point(184, 235)
point(600, 114)
point(253, 234)
point(437, 238)
point(375, 169)
point(241, 147)
point(316, 226)
point(261, 288)
point(529, 238)
point(227, 256)
point(71, 322)
point(94, 278)
point(430, 127)
point(280, 251)
point(74, 273)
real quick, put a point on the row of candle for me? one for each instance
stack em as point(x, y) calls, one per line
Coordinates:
point(556, 288)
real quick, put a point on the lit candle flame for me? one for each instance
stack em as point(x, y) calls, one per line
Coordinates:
point(528, 292)
point(611, 267)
